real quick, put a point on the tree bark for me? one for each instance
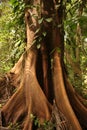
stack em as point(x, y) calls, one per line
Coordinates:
point(40, 77)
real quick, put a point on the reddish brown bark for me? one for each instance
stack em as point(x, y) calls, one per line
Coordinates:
point(39, 81)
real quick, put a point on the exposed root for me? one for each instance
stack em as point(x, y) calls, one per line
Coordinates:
point(77, 104)
point(61, 97)
point(30, 100)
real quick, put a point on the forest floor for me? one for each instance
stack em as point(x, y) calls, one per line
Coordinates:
point(4, 96)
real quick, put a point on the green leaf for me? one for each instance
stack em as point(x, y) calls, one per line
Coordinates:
point(14, 51)
point(48, 20)
point(59, 26)
point(34, 41)
point(12, 1)
point(32, 116)
point(38, 46)
point(40, 39)
point(40, 20)
point(37, 30)
point(17, 43)
point(44, 34)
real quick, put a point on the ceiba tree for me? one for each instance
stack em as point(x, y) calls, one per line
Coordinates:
point(40, 76)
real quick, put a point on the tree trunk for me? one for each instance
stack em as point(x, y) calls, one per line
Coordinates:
point(40, 77)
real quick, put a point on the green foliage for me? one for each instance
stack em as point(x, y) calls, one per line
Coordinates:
point(75, 45)
point(14, 126)
point(46, 125)
point(18, 10)
point(12, 33)
point(5, 36)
